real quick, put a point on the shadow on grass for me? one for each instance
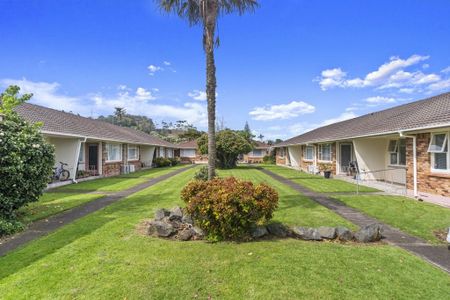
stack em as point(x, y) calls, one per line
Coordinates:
point(34, 251)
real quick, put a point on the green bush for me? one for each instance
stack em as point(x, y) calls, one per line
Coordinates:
point(229, 145)
point(174, 161)
point(8, 227)
point(26, 159)
point(227, 208)
point(202, 174)
point(269, 159)
point(161, 162)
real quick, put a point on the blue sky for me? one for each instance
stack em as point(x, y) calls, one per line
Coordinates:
point(285, 69)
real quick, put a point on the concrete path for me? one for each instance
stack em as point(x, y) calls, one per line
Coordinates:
point(46, 226)
point(437, 255)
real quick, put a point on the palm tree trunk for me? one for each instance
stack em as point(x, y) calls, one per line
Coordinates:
point(211, 96)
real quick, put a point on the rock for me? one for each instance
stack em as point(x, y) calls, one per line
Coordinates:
point(327, 232)
point(309, 234)
point(161, 229)
point(161, 213)
point(176, 213)
point(369, 233)
point(198, 232)
point(344, 234)
point(185, 234)
point(278, 230)
point(187, 219)
point(258, 232)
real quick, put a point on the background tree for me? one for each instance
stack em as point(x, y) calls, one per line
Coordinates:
point(261, 137)
point(26, 161)
point(119, 112)
point(206, 13)
point(230, 144)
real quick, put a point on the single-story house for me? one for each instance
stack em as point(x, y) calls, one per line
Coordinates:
point(260, 150)
point(94, 147)
point(189, 153)
point(406, 145)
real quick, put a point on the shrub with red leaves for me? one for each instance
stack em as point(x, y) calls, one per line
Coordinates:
point(227, 208)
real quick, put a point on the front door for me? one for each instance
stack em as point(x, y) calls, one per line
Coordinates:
point(345, 157)
point(93, 159)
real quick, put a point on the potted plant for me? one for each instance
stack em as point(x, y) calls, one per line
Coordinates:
point(326, 169)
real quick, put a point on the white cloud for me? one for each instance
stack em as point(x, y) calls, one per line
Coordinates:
point(446, 70)
point(390, 75)
point(282, 111)
point(300, 128)
point(198, 95)
point(380, 100)
point(153, 69)
point(167, 63)
point(47, 94)
point(143, 94)
point(438, 86)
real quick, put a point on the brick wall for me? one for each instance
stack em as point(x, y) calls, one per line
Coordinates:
point(115, 168)
point(427, 182)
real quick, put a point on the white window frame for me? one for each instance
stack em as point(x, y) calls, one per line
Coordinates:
point(396, 151)
point(321, 154)
point(260, 155)
point(305, 153)
point(107, 146)
point(433, 152)
point(188, 151)
point(136, 147)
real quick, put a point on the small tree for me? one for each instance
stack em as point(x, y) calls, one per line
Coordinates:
point(229, 145)
point(26, 159)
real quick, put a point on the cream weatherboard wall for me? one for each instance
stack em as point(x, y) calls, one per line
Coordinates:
point(67, 151)
point(147, 153)
point(295, 156)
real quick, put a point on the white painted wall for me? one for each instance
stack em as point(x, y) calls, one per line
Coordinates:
point(295, 155)
point(147, 155)
point(372, 155)
point(66, 151)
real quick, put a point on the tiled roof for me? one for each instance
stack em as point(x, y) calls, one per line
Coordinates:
point(188, 145)
point(58, 122)
point(261, 145)
point(431, 112)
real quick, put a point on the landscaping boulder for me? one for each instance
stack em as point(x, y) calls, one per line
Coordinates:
point(278, 230)
point(161, 229)
point(305, 233)
point(344, 234)
point(161, 214)
point(176, 214)
point(369, 233)
point(187, 219)
point(258, 232)
point(328, 233)
point(185, 234)
point(198, 232)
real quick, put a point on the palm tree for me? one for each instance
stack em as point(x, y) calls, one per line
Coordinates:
point(206, 13)
point(119, 113)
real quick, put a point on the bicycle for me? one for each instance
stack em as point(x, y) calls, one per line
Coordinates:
point(59, 173)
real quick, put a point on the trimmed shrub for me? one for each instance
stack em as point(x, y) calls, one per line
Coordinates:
point(26, 159)
point(268, 159)
point(202, 174)
point(227, 208)
point(161, 162)
point(8, 227)
point(173, 161)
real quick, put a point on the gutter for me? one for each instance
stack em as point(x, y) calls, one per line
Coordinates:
point(416, 194)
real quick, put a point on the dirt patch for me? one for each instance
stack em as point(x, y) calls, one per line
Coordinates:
point(441, 234)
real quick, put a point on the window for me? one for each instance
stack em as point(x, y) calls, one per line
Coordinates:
point(397, 152)
point(187, 153)
point(257, 153)
point(113, 152)
point(81, 155)
point(133, 152)
point(162, 152)
point(170, 153)
point(308, 153)
point(325, 152)
point(440, 160)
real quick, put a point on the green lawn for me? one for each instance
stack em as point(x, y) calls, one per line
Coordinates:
point(102, 256)
point(317, 183)
point(119, 183)
point(53, 203)
point(417, 218)
point(294, 209)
